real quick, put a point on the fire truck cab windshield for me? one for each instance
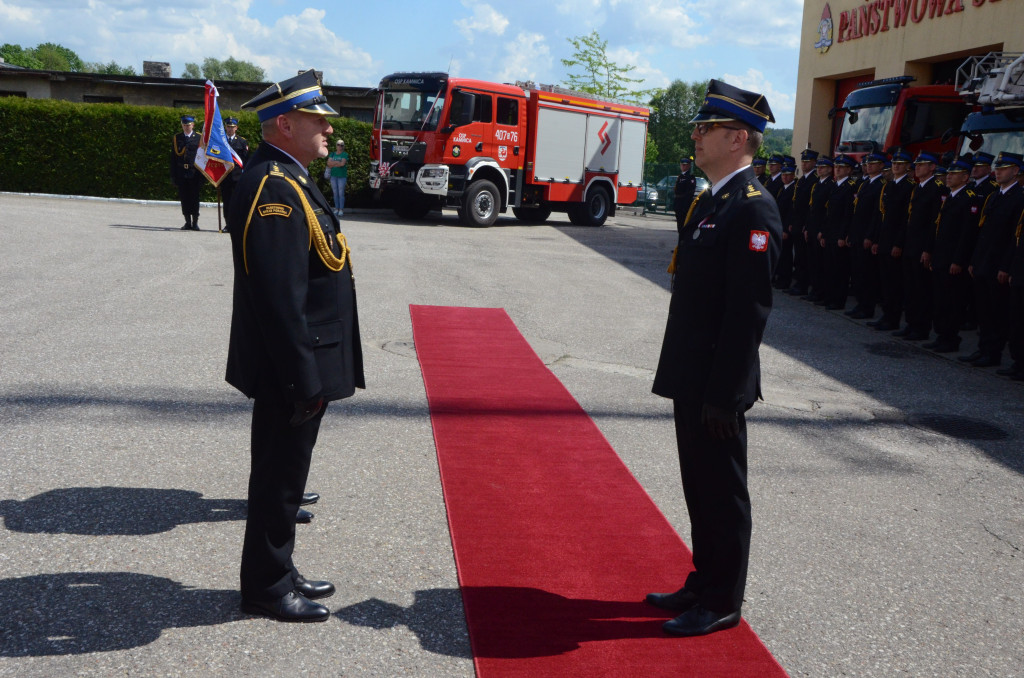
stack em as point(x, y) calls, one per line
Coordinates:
point(413, 103)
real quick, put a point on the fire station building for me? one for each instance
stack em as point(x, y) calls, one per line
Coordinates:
point(846, 42)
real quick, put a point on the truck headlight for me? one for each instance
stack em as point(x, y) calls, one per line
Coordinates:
point(432, 173)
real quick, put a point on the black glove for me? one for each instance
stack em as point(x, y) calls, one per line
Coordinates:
point(306, 410)
point(721, 424)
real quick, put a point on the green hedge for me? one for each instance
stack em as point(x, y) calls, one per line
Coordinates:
point(122, 151)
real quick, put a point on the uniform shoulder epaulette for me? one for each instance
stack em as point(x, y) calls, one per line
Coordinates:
point(275, 171)
point(938, 183)
point(970, 193)
point(752, 192)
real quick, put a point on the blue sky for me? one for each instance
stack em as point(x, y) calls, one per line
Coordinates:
point(750, 43)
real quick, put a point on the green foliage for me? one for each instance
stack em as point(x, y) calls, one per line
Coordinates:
point(671, 112)
point(776, 141)
point(600, 75)
point(58, 58)
point(113, 68)
point(122, 151)
point(229, 69)
point(16, 55)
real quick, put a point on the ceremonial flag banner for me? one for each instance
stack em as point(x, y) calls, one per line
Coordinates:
point(215, 157)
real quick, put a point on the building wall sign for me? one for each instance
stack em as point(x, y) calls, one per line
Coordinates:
point(878, 16)
point(824, 30)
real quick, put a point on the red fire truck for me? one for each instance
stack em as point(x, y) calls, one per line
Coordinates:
point(483, 147)
point(883, 115)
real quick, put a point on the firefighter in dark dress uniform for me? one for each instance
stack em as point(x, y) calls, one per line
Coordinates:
point(955, 230)
point(816, 214)
point(798, 218)
point(187, 179)
point(838, 223)
point(240, 146)
point(925, 201)
point(863, 235)
point(895, 203)
point(992, 259)
point(773, 170)
point(686, 185)
point(982, 181)
point(759, 165)
point(728, 246)
point(784, 201)
point(294, 343)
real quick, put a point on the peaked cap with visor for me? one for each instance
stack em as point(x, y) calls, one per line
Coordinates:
point(301, 93)
point(725, 103)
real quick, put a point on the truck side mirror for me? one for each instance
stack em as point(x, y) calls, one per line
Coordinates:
point(853, 117)
point(832, 112)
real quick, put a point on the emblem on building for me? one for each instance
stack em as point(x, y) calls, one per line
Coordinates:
point(824, 30)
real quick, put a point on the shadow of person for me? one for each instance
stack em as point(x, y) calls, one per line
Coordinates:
point(509, 622)
point(115, 511)
point(80, 612)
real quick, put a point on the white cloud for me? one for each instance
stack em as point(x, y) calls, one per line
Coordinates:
point(783, 105)
point(674, 22)
point(525, 58)
point(485, 20)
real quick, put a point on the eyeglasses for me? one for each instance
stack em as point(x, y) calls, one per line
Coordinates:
point(702, 128)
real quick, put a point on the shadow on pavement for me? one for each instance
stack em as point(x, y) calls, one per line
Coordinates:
point(115, 511)
point(81, 612)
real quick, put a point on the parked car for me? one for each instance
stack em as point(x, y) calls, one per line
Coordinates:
point(647, 196)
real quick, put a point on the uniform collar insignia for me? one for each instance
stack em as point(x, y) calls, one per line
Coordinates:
point(302, 179)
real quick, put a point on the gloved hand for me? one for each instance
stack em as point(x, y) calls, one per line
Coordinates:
point(721, 424)
point(306, 410)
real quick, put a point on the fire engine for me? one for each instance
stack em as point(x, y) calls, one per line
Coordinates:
point(483, 147)
point(882, 115)
point(994, 83)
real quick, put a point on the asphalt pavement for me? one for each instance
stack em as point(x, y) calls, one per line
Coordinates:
point(887, 481)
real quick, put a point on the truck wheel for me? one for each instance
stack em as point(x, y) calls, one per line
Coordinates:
point(593, 211)
point(412, 208)
point(480, 205)
point(534, 215)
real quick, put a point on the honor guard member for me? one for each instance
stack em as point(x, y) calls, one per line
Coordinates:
point(686, 186)
point(773, 170)
point(982, 180)
point(709, 367)
point(863, 235)
point(992, 259)
point(955, 230)
point(816, 214)
point(838, 224)
point(187, 179)
point(925, 201)
point(1016, 322)
point(759, 169)
point(798, 219)
point(241, 147)
point(784, 201)
point(295, 342)
point(895, 203)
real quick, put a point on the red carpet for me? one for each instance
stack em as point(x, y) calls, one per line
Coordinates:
point(556, 543)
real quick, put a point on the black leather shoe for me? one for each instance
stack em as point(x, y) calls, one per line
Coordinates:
point(883, 326)
point(699, 621)
point(862, 315)
point(309, 498)
point(946, 347)
point(303, 516)
point(1008, 371)
point(970, 358)
point(853, 311)
point(680, 601)
point(313, 589)
point(987, 361)
point(901, 333)
point(291, 607)
point(915, 336)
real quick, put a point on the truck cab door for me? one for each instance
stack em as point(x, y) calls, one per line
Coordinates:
point(476, 137)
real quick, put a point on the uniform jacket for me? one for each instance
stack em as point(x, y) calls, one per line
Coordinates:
point(895, 204)
point(925, 202)
point(241, 146)
point(686, 185)
point(294, 326)
point(1017, 264)
point(985, 187)
point(867, 211)
point(727, 252)
point(839, 212)
point(784, 201)
point(774, 185)
point(993, 250)
point(817, 209)
point(955, 230)
point(183, 157)
point(802, 202)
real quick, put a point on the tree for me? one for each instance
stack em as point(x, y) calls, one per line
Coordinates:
point(113, 68)
point(16, 55)
point(229, 69)
point(671, 112)
point(58, 58)
point(601, 76)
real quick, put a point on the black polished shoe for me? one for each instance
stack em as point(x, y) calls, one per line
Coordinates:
point(862, 315)
point(1009, 371)
point(915, 336)
point(309, 498)
point(853, 311)
point(313, 589)
point(303, 516)
point(946, 347)
point(680, 601)
point(987, 361)
point(699, 621)
point(930, 344)
point(291, 607)
point(970, 358)
point(883, 326)
point(901, 333)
